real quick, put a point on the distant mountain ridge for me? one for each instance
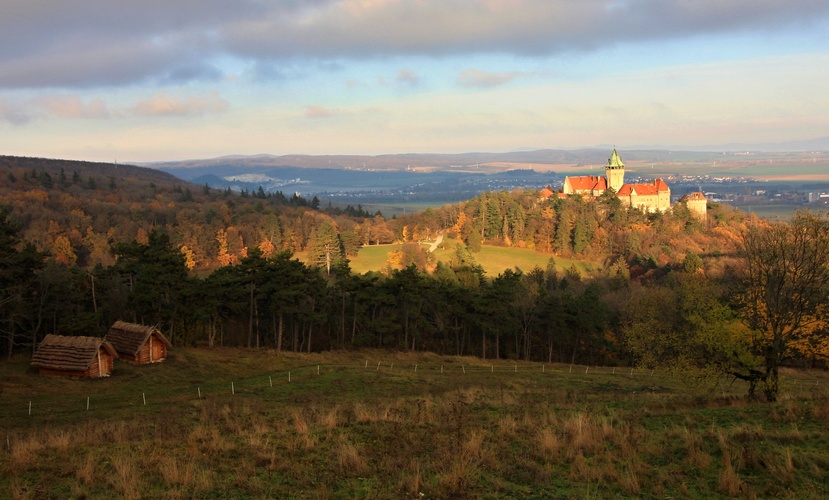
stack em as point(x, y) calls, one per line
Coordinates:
point(385, 162)
point(557, 156)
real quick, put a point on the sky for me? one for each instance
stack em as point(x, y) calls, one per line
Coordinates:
point(155, 80)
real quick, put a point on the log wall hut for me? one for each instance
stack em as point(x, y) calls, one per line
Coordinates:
point(138, 343)
point(83, 357)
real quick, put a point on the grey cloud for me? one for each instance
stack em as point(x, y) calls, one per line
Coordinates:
point(84, 43)
point(104, 65)
point(87, 43)
point(14, 113)
point(524, 27)
point(475, 78)
point(408, 76)
point(192, 72)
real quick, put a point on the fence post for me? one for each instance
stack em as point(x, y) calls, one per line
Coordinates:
point(30, 409)
point(270, 381)
point(318, 369)
point(415, 368)
point(289, 376)
point(87, 403)
point(585, 369)
point(199, 388)
point(144, 397)
point(232, 389)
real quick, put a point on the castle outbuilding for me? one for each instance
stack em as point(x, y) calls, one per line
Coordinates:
point(697, 203)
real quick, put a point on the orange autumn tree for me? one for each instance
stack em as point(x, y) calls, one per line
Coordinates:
point(786, 289)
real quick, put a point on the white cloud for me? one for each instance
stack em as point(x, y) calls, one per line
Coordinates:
point(316, 112)
point(165, 105)
point(71, 106)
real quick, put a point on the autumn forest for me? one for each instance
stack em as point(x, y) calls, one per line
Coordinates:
point(84, 244)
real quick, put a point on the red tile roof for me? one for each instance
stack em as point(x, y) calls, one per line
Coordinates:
point(588, 183)
point(545, 193)
point(654, 187)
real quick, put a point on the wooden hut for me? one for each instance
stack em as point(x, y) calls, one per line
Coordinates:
point(87, 357)
point(138, 343)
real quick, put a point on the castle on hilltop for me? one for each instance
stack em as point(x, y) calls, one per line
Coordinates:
point(652, 196)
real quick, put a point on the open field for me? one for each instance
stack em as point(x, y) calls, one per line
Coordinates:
point(775, 212)
point(493, 259)
point(376, 424)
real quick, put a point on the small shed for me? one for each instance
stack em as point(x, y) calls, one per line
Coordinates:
point(87, 357)
point(138, 343)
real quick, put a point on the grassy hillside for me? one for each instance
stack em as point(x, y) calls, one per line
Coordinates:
point(493, 259)
point(384, 425)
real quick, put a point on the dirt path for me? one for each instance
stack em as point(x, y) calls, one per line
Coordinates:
point(437, 242)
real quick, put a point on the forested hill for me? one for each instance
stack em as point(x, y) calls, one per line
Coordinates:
point(100, 173)
point(78, 211)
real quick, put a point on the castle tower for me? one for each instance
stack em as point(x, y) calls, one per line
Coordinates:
point(698, 204)
point(615, 172)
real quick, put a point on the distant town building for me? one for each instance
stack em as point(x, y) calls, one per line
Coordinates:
point(650, 196)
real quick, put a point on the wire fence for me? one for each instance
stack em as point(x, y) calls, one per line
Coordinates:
point(287, 383)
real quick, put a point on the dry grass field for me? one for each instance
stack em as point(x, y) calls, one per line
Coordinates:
point(375, 424)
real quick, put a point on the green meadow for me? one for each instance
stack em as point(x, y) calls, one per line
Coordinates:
point(493, 259)
point(231, 423)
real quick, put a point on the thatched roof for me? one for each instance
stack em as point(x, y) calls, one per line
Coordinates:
point(127, 338)
point(58, 352)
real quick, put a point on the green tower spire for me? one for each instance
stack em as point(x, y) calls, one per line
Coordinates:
point(615, 162)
